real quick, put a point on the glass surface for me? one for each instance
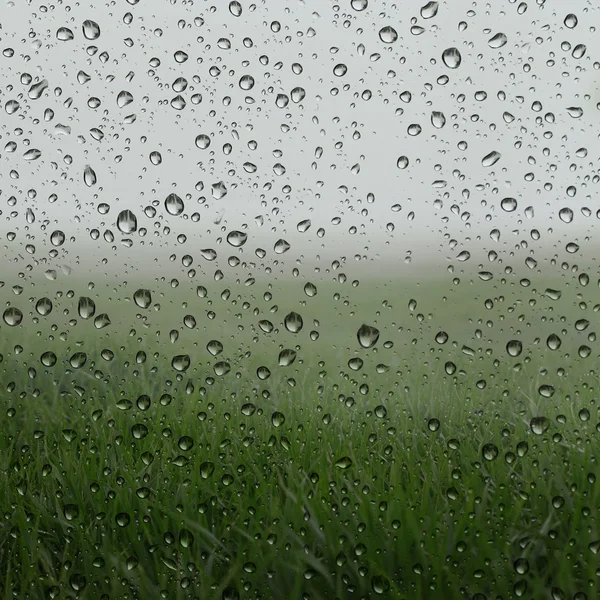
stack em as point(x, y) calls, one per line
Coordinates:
point(299, 299)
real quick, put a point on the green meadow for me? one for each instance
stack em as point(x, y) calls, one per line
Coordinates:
point(239, 441)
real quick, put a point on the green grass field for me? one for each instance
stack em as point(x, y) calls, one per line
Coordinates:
point(425, 466)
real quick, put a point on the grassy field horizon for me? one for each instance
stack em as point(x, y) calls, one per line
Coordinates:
point(448, 450)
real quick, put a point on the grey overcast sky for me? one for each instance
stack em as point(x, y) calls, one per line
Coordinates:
point(309, 107)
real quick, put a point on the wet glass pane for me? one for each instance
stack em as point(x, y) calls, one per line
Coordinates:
point(299, 299)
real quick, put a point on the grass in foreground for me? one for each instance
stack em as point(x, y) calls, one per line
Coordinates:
point(441, 490)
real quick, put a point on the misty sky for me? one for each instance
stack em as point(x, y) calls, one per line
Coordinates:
point(525, 88)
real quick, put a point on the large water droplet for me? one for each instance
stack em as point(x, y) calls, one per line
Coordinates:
point(388, 35)
point(143, 298)
point(202, 141)
point(181, 362)
point(514, 348)
point(509, 204)
point(127, 222)
point(359, 5)
point(237, 238)
point(281, 246)
point(32, 154)
point(489, 160)
point(43, 306)
point(218, 190)
point(64, 34)
point(174, 205)
point(37, 89)
point(286, 357)
point(86, 307)
point(430, 10)
point(124, 98)
point(497, 41)
point(452, 58)
point(12, 316)
point(91, 30)
point(367, 336)
point(89, 176)
point(78, 360)
point(571, 21)
point(293, 322)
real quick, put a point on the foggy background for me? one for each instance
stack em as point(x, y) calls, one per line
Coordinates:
point(339, 146)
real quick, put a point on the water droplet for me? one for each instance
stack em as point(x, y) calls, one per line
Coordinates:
point(206, 469)
point(310, 289)
point(497, 41)
point(37, 89)
point(139, 431)
point(388, 35)
point(202, 141)
point(237, 238)
point(514, 348)
point(367, 336)
point(78, 360)
point(429, 10)
point(122, 519)
point(571, 21)
point(298, 94)
point(508, 204)
point(43, 306)
point(553, 342)
point(539, 425)
point(181, 362)
point(186, 538)
point(143, 298)
point(304, 226)
point(451, 58)
point(48, 359)
point(489, 452)
point(64, 34)
point(402, 162)
point(343, 463)
point(441, 337)
point(489, 160)
point(575, 111)
point(438, 120)
point(32, 154)
point(91, 30)
point(277, 419)
point(12, 316)
point(89, 176)
point(174, 205)
point(127, 222)
point(286, 357)
point(124, 98)
point(235, 8)
point(340, 70)
point(214, 347)
point(379, 584)
point(359, 5)
point(71, 512)
point(546, 391)
point(218, 190)
point(566, 215)
point(86, 307)
point(433, 424)
point(281, 246)
point(579, 51)
point(450, 368)
point(293, 322)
